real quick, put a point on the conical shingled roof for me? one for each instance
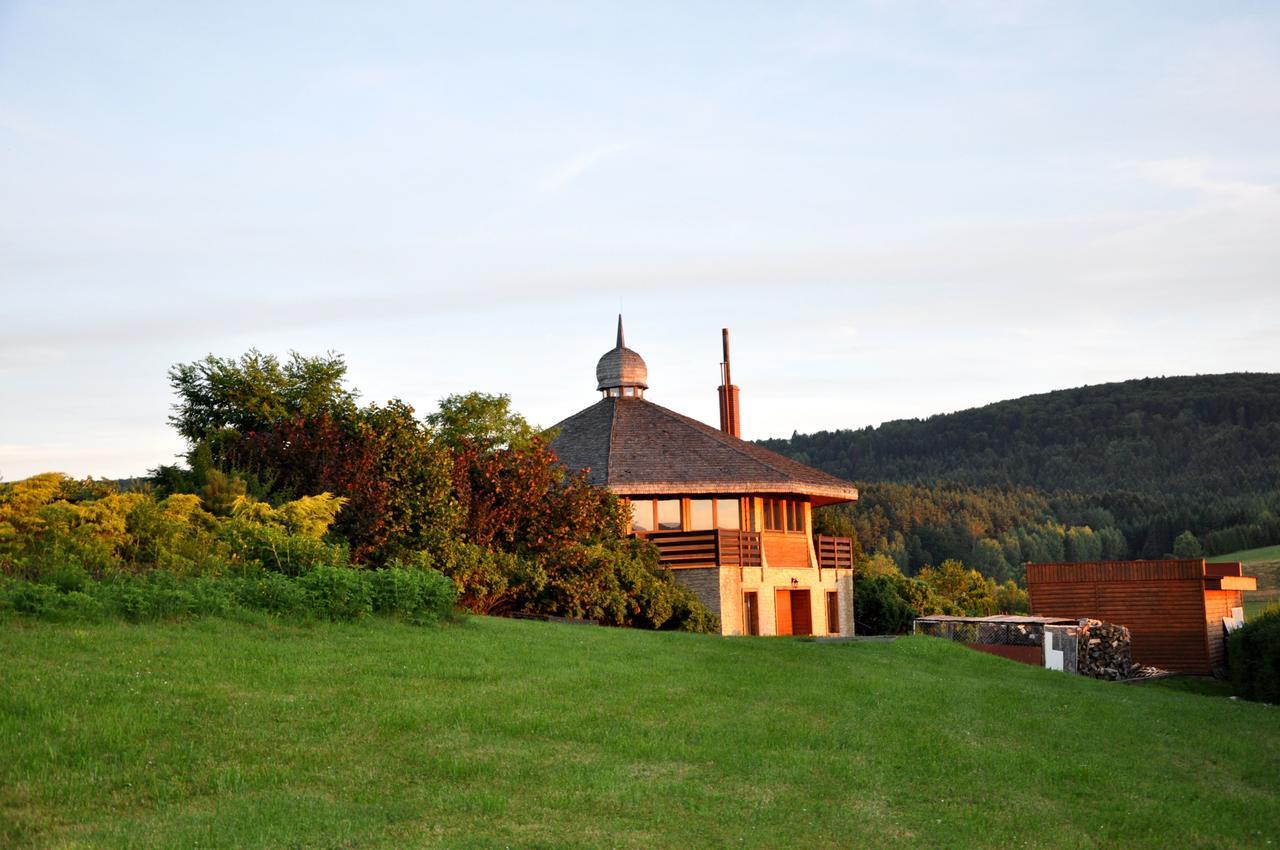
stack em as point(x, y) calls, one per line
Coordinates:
point(634, 446)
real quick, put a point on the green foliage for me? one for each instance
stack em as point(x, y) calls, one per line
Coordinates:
point(617, 583)
point(274, 548)
point(221, 492)
point(880, 607)
point(1192, 436)
point(411, 593)
point(82, 553)
point(1253, 654)
point(482, 420)
point(885, 601)
point(328, 593)
point(337, 593)
point(1107, 472)
point(1186, 545)
point(218, 397)
point(274, 593)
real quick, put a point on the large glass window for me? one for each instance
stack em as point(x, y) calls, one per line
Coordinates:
point(783, 515)
point(642, 515)
point(728, 514)
point(669, 515)
point(773, 519)
point(700, 515)
point(795, 515)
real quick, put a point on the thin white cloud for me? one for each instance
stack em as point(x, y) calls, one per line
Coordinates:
point(579, 165)
point(1197, 174)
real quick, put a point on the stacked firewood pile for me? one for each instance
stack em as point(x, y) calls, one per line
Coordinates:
point(1105, 652)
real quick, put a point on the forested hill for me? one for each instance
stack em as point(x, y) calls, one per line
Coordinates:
point(1207, 434)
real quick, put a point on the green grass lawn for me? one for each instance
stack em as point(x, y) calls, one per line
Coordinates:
point(500, 733)
point(1250, 556)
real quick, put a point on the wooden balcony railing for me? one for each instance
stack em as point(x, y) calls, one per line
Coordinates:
point(834, 553)
point(711, 548)
point(739, 549)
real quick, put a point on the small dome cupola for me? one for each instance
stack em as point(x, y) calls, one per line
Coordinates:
point(621, 373)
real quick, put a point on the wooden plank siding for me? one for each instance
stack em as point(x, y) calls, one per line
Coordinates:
point(1096, 571)
point(1164, 604)
point(1218, 604)
point(786, 549)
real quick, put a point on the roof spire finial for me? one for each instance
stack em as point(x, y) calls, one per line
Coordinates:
point(621, 371)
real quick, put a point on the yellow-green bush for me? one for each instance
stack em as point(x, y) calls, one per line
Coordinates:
point(82, 551)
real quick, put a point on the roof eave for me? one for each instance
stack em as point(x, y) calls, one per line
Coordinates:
point(821, 495)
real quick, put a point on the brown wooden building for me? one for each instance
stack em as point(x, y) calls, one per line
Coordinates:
point(1173, 609)
point(732, 519)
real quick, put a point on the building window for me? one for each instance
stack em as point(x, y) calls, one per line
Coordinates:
point(773, 515)
point(669, 515)
point(728, 513)
point(833, 612)
point(629, 392)
point(642, 515)
point(751, 613)
point(784, 515)
point(701, 515)
point(795, 515)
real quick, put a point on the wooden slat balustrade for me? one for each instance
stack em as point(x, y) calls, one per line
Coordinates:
point(740, 549)
point(834, 553)
point(710, 548)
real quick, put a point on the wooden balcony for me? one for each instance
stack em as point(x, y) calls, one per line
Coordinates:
point(711, 548)
point(834, 553)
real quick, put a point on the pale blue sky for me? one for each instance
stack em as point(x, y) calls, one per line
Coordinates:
point(898, 209)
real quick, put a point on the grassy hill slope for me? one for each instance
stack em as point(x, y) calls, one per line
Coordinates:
point(499, 733)
point(1264, 563)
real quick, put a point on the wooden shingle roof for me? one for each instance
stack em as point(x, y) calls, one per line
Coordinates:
point(636, 447)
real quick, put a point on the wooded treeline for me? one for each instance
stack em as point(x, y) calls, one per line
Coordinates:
point(1200, 435)
point(1112, 471)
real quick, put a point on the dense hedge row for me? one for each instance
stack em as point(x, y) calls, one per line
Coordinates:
point(327, 593)
point(1254, 655)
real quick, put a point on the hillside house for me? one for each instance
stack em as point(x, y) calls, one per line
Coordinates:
point(731, 519)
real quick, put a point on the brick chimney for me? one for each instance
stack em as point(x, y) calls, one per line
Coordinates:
point(730, 416)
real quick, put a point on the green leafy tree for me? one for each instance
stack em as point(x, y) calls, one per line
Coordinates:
point(481, 422)
point(1186, 545)
point(223, 399)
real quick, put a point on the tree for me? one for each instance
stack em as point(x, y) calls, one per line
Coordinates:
point(222, 399)
point(396, 479)
point(522, 500)
point(480, 421)
point(1186, 545)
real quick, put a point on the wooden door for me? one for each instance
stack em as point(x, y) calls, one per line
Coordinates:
point(801, 613)
point(782, 605)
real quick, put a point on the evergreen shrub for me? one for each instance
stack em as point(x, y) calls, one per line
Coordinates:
point(1253, 652)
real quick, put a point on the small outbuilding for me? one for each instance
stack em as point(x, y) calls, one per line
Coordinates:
point(1177, 611)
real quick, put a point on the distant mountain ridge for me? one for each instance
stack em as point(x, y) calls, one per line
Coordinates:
point(1202, 434)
